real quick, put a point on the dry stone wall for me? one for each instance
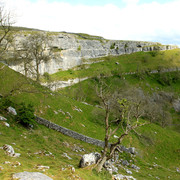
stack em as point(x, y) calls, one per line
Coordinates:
point(69, 132)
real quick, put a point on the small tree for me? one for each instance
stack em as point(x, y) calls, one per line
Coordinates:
point(127, 114)
point(6, 22)
point(25, 115)
point(33, 51)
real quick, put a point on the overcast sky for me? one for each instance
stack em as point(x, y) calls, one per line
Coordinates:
point(146, 20)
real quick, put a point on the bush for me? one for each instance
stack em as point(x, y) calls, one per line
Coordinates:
point(5, 103)
point(25, 115)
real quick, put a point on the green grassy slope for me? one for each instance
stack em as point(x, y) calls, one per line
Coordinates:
point(126, 63)
point(157, 145)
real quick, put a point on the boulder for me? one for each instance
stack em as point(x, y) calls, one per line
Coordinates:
point(12, 111)
point(30, 176)
point(10, 151)
point(2, 118)
point(6, 124)
point(122, 177)
point(89, 159)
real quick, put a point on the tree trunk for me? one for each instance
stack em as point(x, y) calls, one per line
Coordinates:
point(100, 164)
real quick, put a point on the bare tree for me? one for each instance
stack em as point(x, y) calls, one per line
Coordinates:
point(127, 114)
point(33, 51)
point(6, 22)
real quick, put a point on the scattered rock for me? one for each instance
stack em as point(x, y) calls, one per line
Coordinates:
point(55, 112)
point(16, 164)
point(125, 163)
point(89, 159)
point(131, 150)
point(6, 124)
point(66, 156)
point(10, 151)
point(178, 170)
point(42, 168)
point(2, 118)
point(30, 175)
point(73, 169)
point(1, 168)
point(135, 167)
point(7, 162)
point(117, 63)
point(108, 165)
point(128, 171)
point(77, 109)
point(12, 111)
point(61, 111)
point(69, 115)
point(122, 177)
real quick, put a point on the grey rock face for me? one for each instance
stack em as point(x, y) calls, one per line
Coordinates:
point(30, 176)
point(70, 51)
point(89, 159)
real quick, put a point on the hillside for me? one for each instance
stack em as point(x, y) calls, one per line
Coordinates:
point(158, 148)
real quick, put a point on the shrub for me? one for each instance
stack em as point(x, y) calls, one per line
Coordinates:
point(25, 115)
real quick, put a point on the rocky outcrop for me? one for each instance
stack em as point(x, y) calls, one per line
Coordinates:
point(30, 175)
point(10, 151)
point(70, 50)
point(89, 159)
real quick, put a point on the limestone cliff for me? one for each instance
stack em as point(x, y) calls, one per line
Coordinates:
point(71, 50)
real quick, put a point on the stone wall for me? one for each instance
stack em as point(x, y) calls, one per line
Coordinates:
point(69, 132)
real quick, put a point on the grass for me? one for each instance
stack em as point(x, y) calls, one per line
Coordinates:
point(126, 63)
point(156, 145)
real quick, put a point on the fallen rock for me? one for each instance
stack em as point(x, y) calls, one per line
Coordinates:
point(176, 105)
point(108, 165)
point(89, 159)
point(128, 171)
point(12, 111)
point(2, 118)
point(30, 176)
point(6, 124)
point(135, 167)
point(122, 177)
point(125, 163)
point(66, 156)
point(41, 167)
point(10, 151)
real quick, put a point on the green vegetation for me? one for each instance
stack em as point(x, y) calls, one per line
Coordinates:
point(158, 148)
point(139, 61)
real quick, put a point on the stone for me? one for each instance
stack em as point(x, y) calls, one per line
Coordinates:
point(135, 167)
point(2, 118)
point(30, 176)
point(178, 170)
point(125, 163)
point(6, 124)
point(1, 168)
point(108, 165)
point(66, 156)
point(131, 150)
point(41, 167)
point(12, 111)
point(10, 151)
point(89, 159)
point(122, 177)
point(128, 171)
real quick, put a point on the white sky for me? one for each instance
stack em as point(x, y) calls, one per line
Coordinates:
point(150, 21)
